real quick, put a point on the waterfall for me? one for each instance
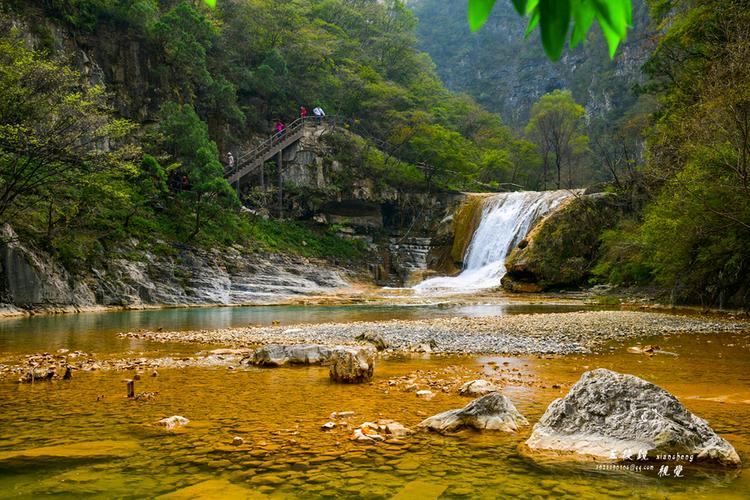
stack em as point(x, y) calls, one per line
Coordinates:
point(506, 219)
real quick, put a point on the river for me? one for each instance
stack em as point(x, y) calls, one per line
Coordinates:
point(279, 412)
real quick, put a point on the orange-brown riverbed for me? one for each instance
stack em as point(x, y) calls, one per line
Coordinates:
point(278, 413)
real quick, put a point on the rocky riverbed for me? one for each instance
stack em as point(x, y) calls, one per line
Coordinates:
point(560, 333)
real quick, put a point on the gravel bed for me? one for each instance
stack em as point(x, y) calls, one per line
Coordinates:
point(556, 333)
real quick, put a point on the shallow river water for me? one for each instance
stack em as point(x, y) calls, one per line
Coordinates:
point(111, 447)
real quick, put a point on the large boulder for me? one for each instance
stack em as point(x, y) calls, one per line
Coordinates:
point(280, 355)
point(351, 365)
point(562, 248)
point(613, 415)
point(491, 412)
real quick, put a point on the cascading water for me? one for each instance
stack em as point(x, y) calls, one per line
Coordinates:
point(506, 220)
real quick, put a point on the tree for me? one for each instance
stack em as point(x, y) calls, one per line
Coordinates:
point(556, 125)
point(185, 138)
point(53, 129)
point(696, 233)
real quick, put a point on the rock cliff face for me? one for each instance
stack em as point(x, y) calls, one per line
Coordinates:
point(507, 73)
point(30, 280)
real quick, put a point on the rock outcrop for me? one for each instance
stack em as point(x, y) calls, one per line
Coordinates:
point(351, 365)
point(28, 277)
point(280, 355)
point(31, 280)
point(562, 248)
point(613, 415)
point(491, 412)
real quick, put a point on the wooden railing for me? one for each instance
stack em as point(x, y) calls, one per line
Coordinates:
point(251, 161)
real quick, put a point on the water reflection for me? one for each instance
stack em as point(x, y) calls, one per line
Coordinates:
point(96, 331)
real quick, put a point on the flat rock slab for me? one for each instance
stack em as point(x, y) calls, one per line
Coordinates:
point(68, 453)
point(615, 416)
point(493, 411)
point(211, 489)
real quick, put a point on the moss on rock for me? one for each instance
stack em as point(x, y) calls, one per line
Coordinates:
point(561, 250)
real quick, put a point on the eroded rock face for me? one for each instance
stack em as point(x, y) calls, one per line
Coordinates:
point(280, 355)
point(477, 388)
point(491, 412)
point(609, 414)
point(351, 365)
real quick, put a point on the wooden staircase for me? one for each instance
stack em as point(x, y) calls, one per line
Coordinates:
point(253, 160)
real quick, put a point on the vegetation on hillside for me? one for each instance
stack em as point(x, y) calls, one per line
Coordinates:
point(207, 80)
point(694, 236)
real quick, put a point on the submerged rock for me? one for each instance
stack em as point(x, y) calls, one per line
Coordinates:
point(173, 422)
point(612, 415)
point(280, 355)
point(67, 453)
point(425, 394)
point(477, 388)
point(212, 488)
point(351, 365)
point(491, 412)
point(38, 375)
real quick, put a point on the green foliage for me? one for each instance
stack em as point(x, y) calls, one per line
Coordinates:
point(694, 236)
point(556, 126)
point(186, 138)
point(51, 130)
point(554, 16)
point(306, 239)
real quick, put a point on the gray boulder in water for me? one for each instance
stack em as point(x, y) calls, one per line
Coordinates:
point(491, 412)
point(351, 365)
point(612, 415)
point(280, 355)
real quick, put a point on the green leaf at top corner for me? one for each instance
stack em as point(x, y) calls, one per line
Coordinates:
point(553, 25)
point(533, 21)
point(583, 16)
point(479, 11)
point(211, 3)
point(520, 6)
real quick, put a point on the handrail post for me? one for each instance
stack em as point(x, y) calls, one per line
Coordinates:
point(279, 161)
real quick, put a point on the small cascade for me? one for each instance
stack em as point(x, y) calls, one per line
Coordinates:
point(506, 219)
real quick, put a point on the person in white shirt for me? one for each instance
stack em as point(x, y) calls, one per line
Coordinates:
point(319, 114)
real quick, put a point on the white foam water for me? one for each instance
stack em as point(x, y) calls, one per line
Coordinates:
point(506, 219)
